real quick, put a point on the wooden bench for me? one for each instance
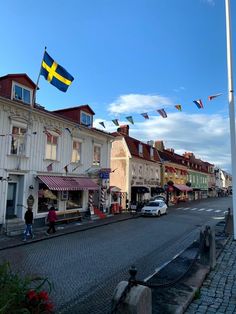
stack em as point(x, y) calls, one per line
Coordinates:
point(65, 216)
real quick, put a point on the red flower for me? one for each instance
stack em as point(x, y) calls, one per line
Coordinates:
point(31, 295)
point(43, 295)
point(48, 307)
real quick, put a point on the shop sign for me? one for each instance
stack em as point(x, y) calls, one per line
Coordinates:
point(104, 175)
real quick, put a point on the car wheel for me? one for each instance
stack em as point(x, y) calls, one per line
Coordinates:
point(159, 214)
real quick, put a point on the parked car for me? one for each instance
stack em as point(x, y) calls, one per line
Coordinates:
point(154, 208)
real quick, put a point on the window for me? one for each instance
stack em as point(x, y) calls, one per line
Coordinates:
point(18, 140)
point(151, 152)
point(22, 93)
point(140, 149)
point(76, 152)
point(46, 198)
point(74, 200)
point(133, 171)
point(96, 155)
point(86, 119)
point(51, 147)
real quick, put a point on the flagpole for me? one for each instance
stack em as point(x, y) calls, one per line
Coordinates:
point(231, 109)
point(37, 82)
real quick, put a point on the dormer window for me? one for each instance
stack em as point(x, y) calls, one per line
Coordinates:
point(140, 149)
point(21, 93)
point(86, 119)
point(151, 152)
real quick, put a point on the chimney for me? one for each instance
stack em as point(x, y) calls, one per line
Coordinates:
point(171, 150)
point(151, 143)
point(123, 129)
point(188, 155)
point(159, 145)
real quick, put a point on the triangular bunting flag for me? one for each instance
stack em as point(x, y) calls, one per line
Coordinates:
point(178, 107)
point(130, 119)
point(115, 121)
point(102, 124)
point(145, 115)
point(49, 167)
point(67, 129)
point(214, 96)
point(198, 103)
point(162, 113)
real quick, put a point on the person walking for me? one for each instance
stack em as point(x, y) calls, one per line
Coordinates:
point(52, 217)
point(28, 224)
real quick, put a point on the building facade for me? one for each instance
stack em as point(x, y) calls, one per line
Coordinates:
point(136, 168)
point(48, 158)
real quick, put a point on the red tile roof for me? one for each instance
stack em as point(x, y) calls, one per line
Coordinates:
point(133, 146)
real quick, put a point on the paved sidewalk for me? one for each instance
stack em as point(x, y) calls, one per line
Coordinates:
point(218, 291)
point(62, 229)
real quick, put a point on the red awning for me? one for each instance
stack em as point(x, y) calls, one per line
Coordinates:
point(60, 183)
point(183, 187)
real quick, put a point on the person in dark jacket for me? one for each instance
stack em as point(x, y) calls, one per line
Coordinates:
point(52, 217)
point(28, 224)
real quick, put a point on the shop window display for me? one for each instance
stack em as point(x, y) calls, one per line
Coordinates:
point(74, 200)
point(46, 198)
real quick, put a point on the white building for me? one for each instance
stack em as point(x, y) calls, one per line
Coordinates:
point(48, 158)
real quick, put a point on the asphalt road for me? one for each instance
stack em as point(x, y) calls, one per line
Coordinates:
point(85, 267)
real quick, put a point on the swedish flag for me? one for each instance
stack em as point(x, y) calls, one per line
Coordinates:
point(55, 74)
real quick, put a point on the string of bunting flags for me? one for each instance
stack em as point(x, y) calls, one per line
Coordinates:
point(162, 111)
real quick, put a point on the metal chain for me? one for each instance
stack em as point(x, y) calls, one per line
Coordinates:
point(131, 283)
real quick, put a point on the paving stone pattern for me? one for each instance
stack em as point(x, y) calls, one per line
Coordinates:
point(218, 292)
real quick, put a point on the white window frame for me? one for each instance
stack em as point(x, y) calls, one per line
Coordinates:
point(20, 125)
point(14, 84)
point(74, 150)
point(140, 149)
point(151, 152)
point(87, 115)
point(54, 134)
point(97, 162)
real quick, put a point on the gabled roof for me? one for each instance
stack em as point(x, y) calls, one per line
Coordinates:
point(133, 146)
point(18, 76)
point(170, 156)
point(82, 107)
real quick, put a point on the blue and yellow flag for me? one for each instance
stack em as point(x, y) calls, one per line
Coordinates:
point(55, 74)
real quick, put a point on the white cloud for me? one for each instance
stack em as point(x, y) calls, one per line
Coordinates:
point(138, 103)
point(207, 136)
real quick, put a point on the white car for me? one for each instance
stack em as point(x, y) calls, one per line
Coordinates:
point(154, 208)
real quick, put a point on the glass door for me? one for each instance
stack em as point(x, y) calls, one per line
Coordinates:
point(11, 201)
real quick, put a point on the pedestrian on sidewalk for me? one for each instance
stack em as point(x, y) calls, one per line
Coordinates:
point(28, 224)
point(52, 217)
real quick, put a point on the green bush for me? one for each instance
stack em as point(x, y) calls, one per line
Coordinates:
point(23, 295)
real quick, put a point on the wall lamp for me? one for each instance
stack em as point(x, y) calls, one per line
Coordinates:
point(5, 179)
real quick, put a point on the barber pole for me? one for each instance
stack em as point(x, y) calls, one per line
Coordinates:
point(91, 202)
point(102, 199)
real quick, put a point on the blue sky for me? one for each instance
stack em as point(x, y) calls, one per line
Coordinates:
point(130, 57)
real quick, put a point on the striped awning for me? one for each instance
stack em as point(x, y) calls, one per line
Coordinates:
point(60, 183)
point(183, 187)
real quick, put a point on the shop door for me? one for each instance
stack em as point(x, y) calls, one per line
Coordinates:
point(11, 201)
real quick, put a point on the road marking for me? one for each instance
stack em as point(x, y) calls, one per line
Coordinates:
point(209, 210)
point(186, 208)
point(179, 208)
point(218, 211)
point(194, 208)
point(201, 209)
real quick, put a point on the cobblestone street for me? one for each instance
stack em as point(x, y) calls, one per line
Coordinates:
point(218, 292)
